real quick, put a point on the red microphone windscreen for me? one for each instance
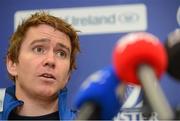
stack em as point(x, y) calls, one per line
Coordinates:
point(135, 49)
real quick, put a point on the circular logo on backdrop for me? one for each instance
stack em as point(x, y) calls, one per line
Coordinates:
point(128, 17)
point(178, 16)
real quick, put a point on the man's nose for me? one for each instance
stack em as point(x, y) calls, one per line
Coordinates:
point(49, 60)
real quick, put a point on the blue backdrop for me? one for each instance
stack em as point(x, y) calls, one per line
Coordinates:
point(96, 49)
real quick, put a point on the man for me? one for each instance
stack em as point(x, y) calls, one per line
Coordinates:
point(40, 59)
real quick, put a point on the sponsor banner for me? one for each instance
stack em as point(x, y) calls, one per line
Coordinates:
point(99, 19)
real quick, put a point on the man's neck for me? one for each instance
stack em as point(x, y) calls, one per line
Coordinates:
point(35, 105)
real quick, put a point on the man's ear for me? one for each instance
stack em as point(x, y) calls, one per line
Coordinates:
point(11, 67)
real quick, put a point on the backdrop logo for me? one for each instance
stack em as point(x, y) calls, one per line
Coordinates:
point(136, 115)
point(129, 17)
point(100, 19)
point(178, 16)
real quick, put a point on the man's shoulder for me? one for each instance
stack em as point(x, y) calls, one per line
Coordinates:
point(2, 95)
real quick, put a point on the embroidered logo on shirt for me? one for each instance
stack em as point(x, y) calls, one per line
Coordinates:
point(2, 95)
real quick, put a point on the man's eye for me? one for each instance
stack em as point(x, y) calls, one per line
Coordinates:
point(61, 54)
point(38, 50)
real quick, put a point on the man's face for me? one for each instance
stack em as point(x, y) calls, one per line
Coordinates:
point(44, 62)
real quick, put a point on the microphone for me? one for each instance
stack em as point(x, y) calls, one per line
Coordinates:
point(96, 98)
point(172, 45)
point(139, 58)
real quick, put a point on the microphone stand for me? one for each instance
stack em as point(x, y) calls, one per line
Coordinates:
point(89, 111)
point(154, 93)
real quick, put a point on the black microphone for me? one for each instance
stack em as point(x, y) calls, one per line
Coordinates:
point(172, 46)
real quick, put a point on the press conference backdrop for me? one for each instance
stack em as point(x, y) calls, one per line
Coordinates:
point(102, 23)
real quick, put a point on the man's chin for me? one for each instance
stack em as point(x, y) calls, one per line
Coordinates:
point(47, 93)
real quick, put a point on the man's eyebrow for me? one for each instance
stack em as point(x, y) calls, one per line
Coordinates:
point(39, 41)
point(64, 46)
point(44, 40)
